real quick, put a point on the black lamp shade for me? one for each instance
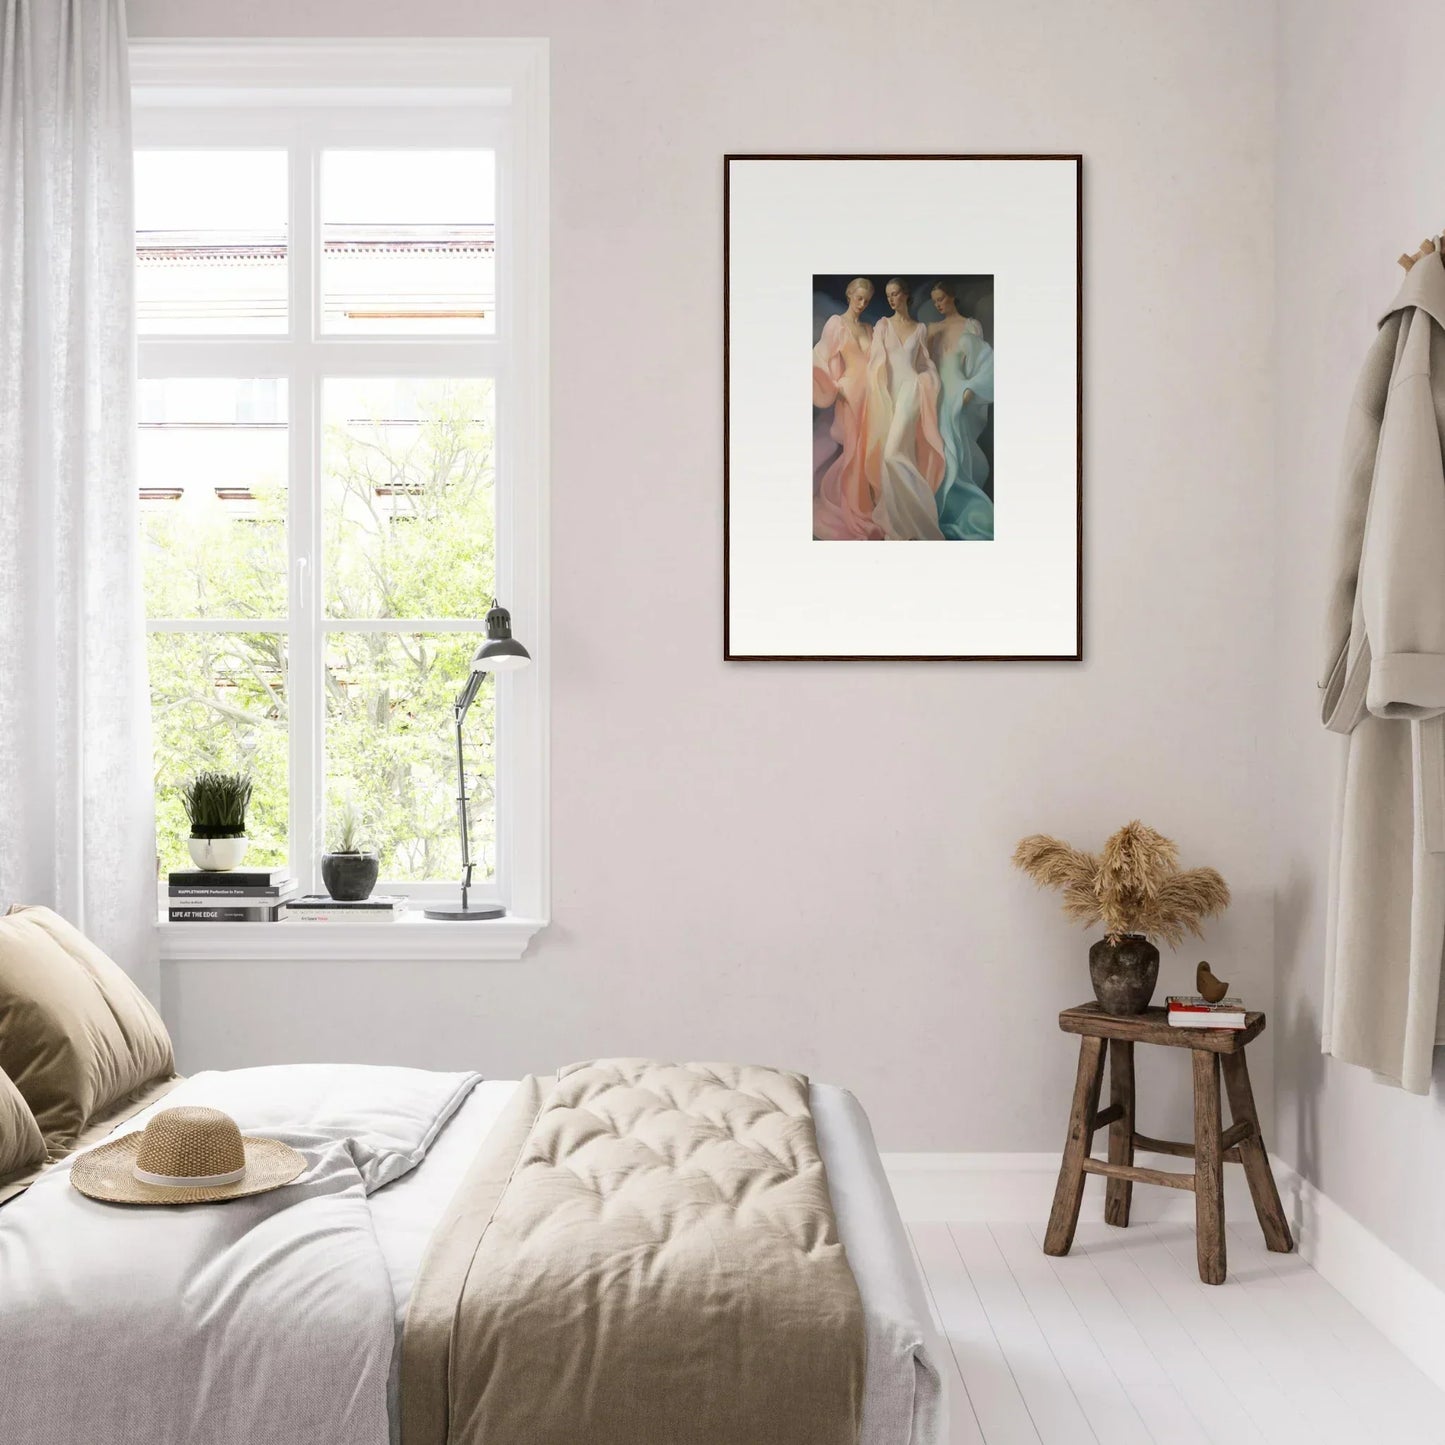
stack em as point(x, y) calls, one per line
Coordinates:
point(501, 652)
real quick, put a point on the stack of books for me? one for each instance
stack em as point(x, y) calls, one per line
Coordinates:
point(252, 895)
point(1193, 1011)
point(321, 908)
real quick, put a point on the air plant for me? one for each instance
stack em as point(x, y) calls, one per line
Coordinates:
point(347, 829)
point(216, 804)
point(1134, 885)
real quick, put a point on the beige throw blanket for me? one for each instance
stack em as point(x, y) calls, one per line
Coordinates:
point(643, 1254)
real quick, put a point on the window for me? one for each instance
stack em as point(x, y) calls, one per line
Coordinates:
point(340, 275)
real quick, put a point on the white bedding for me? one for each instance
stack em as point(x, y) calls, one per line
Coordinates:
point(266, 1320)
point(903, 1402)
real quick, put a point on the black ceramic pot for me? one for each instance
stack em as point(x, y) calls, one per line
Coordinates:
point(350, 877)
point(1124, 972)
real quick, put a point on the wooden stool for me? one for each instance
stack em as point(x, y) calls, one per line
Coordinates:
point(1213, 1146)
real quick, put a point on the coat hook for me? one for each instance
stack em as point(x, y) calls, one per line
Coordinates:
point(1427, 248)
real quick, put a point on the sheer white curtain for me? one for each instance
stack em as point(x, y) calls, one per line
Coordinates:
point(75, 760)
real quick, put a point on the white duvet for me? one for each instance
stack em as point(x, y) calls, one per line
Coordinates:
point(274, 1318)
point(262, 1320)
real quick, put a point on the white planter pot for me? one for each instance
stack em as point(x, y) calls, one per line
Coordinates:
point(217, 855)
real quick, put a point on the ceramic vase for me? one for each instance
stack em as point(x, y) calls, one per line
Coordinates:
point(350, 877)
point(1124, 971)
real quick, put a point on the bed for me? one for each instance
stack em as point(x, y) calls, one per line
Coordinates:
point(139, 1323)
point(626, 1252)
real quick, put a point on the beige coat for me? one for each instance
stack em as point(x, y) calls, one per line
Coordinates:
point(1384, 686)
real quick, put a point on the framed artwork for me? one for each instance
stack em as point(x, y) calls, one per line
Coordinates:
point(902, 364)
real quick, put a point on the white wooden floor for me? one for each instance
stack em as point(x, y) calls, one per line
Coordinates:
point(1120, 1343)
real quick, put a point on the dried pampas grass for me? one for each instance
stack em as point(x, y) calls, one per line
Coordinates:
point(1135, 885)
point(1051, 863)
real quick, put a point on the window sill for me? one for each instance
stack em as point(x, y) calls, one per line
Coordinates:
point(411, 938)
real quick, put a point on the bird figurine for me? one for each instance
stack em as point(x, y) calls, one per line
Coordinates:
point(1209, 987)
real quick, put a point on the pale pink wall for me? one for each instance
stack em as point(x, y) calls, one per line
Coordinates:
point(1361, 178)
point(808, 864)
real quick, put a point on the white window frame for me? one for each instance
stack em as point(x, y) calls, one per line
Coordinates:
point(306, 97)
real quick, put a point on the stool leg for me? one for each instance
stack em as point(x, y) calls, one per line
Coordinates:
point(1119, 1193)
point(1069, 1193)
point(1208, 1169)
point(1255, 1159)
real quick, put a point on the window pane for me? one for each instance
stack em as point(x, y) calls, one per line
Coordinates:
point(210, 242)
point(212, 469)
point(218, 700)
point(408, 503)
point(391, 749)
point(408, 242)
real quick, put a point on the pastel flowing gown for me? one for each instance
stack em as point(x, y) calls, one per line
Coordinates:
point(904, 455)
point(844, 499)
point(965, 364)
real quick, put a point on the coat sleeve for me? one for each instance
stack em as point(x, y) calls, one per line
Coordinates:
point(1346, 660)
point(1402, 567)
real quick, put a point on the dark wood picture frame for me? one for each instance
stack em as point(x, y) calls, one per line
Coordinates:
point(1077, 655)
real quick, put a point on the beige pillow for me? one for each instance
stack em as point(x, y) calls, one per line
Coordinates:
point(22, 1150)
point(76, 1035)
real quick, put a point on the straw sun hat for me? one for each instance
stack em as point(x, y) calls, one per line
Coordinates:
point(186, 1155)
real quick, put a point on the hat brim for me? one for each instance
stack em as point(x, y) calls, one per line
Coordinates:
point(107, 1173)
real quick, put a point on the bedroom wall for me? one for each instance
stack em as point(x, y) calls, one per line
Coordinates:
point(808, 864)
point(1361, 178)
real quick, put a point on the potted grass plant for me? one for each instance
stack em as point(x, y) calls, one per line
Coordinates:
point(350, 869)
point(216, 804)
point(1136, 889)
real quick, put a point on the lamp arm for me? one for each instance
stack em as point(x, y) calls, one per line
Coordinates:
point(460, 712)
point(468, 694)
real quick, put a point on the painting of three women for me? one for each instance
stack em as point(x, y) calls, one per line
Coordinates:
point(903, 408)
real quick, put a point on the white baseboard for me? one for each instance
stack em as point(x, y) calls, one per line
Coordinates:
point(1019, 1188)
point(1405, 1306)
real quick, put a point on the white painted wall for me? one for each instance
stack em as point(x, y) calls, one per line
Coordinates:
point(808, 864)
point(1361, 168)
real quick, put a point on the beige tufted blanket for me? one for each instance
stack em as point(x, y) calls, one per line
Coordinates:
point(643, 1254)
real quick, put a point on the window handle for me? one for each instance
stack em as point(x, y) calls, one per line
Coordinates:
point(302, 584)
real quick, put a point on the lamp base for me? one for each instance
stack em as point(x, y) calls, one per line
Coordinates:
point(459, 915)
